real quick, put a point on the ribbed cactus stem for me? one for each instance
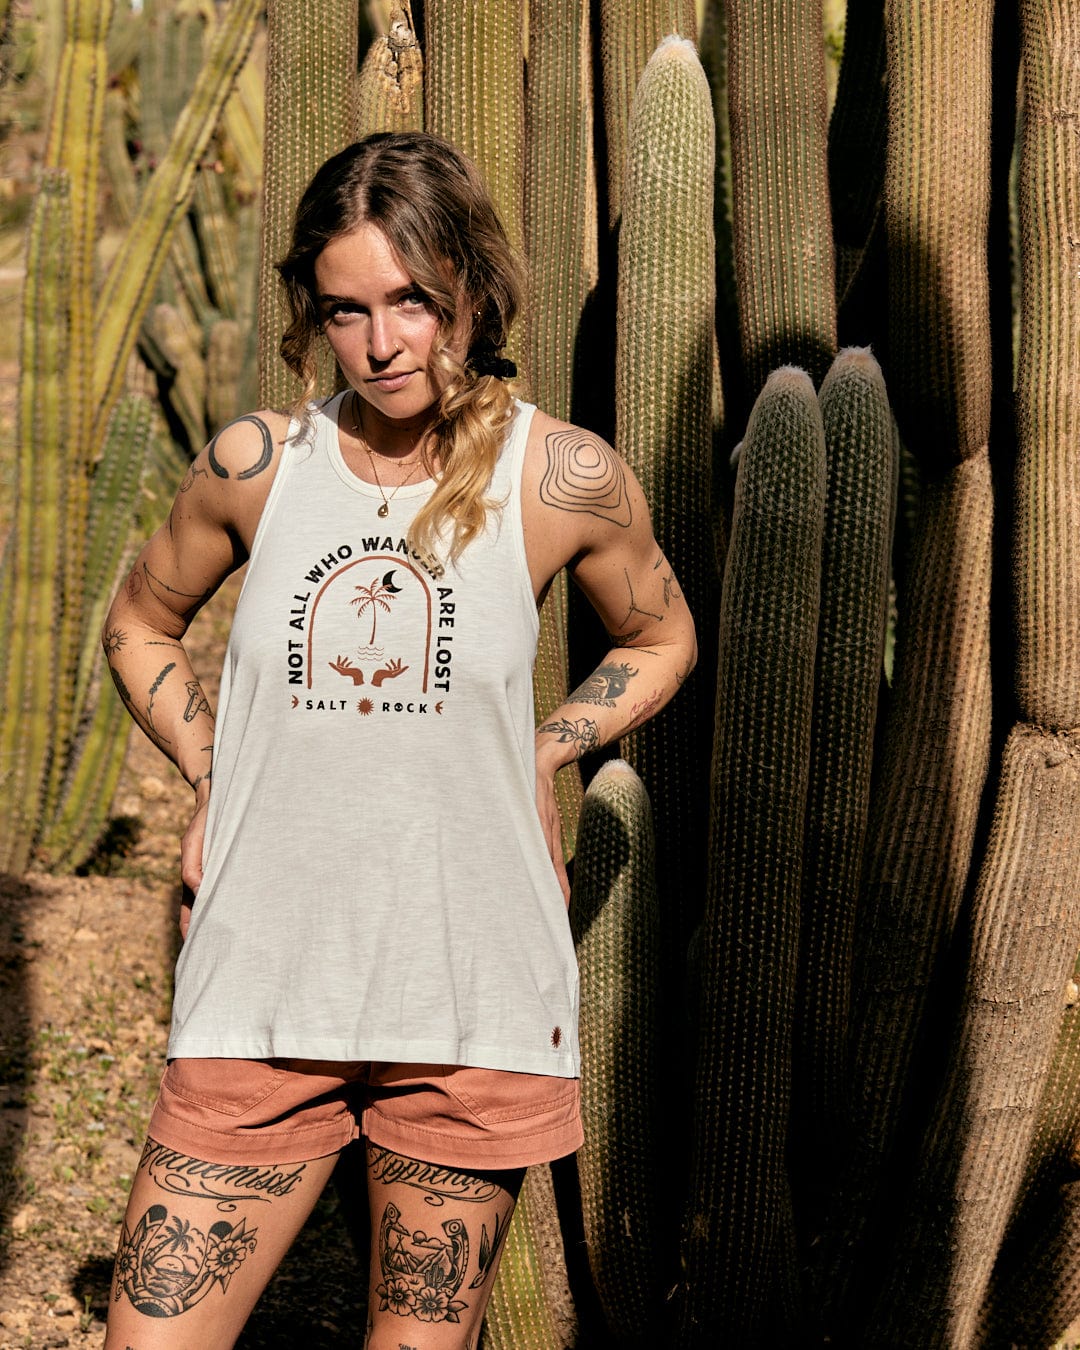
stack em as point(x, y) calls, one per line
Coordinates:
point(664, 427)
point(1025, 929)
point(860, 505)
point(629, 33)
point(928, 785)
point(310, 114)
point(739, 1248)
point(937, 188)
point(32, 592)
point(1048, 372)
point(783, 240)
point(616, 924)
point(474, 94)
point(390, 95)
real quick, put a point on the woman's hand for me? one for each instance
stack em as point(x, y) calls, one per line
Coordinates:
point(548, 810)
point(191, 852)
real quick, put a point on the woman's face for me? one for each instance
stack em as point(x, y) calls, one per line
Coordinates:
point(379, 323)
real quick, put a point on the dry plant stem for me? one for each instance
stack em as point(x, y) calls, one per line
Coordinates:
point(1025, 932)
point(937, 190)
point(663, 406)
point(310, 114)
point(925, 802)
point(782, 229)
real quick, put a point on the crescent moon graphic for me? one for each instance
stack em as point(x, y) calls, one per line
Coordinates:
point(295, 701)
point(438, 707)
point(388, 582)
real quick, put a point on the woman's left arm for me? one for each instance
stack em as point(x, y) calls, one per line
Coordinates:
point(591, 514)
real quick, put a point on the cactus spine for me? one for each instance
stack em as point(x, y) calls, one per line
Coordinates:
point(739, 1244)
point(616, 923)
point(663, 410)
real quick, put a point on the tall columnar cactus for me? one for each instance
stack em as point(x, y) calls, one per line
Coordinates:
point(777, 99)
point(663, 412)
point(390, 93)
point(739, 1245)
point(616, 922)
point(311, 92)
point(860, 505)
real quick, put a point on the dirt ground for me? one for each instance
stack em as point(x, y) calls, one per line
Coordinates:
point(85, 974)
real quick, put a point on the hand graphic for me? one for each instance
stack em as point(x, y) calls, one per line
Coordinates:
point(343, 667)
point(388, 672)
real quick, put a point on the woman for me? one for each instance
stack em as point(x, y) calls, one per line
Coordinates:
point(378, 942)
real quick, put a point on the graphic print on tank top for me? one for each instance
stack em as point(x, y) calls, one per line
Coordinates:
point(374, 631)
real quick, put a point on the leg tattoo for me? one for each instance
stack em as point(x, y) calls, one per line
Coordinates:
point(166, 1268)
point(421, 1274)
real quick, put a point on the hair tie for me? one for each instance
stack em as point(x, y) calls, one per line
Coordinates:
point(485, 360)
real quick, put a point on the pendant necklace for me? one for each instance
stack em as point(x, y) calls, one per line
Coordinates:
point(358, 431)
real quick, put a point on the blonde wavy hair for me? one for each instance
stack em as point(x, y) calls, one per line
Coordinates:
point(433, 207)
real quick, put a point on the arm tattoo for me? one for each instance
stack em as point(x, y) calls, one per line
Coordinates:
point(583, 733)
point(206, 777)
point(189, 478)
point(161, 591)
point(197, 701)
point(162, 676)
point(114, 640)
point(261, 463)
point(635, 608)
point(644, 709)
point(583, 474)
point(604, 685)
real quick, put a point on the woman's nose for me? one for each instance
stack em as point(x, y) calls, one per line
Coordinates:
point(382, 343)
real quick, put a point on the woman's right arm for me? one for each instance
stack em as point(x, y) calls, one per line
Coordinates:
point(207, 536)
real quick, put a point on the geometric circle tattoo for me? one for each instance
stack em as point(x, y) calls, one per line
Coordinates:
point(583, 474)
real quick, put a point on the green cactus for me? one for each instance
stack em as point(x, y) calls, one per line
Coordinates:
point(520, 1314)
point(741, 1272)
point(777, 102)
point(663, 409)
point(616, 923)
point(310, 114)
point(860, 505)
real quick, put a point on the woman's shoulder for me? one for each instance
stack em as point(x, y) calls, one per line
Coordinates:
point(247, 446)
point(573, 469)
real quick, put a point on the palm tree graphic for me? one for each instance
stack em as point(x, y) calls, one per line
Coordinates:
point(374, 597)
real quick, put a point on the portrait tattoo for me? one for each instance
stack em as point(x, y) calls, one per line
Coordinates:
point(583, 474)
point(582, 733)
point(165, 1268)
point(604, 685)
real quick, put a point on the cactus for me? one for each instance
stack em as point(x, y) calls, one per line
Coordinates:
point(739, 1244)
point(616, 923)
point(519, 1313)
point(663, 409)
point(391, 89)
point(787, 308)
point(860, 504)
point(310, 114)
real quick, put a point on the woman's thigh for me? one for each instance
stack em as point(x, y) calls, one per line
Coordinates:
point(437, 1233)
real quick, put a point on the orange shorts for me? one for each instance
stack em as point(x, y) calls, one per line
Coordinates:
point(293, 1110)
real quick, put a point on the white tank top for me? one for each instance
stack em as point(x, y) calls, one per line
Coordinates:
point(376, 882)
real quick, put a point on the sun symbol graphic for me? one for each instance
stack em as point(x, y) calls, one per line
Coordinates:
point(365, 707)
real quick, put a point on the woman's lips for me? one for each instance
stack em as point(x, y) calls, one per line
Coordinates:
point(388, 383)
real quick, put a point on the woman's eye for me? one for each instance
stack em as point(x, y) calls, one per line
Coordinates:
point(336, 313)
point(414, 300)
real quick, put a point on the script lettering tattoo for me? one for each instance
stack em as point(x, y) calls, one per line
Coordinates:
point(166, 1268)
point(260, 464)
point(604, 685)
point(582, 733)
point(634, 607)
point(197, 701)
point(421, 1272)
point(438, 1183)
point(644, 709)
point(584, 474)
point(162, 676)
point(194, 1179)
point(161, 591)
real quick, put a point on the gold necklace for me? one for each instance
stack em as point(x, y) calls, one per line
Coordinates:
point(358, 431)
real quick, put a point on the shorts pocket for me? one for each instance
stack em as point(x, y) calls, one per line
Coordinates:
point(497, 1095)
point(228, 1086)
